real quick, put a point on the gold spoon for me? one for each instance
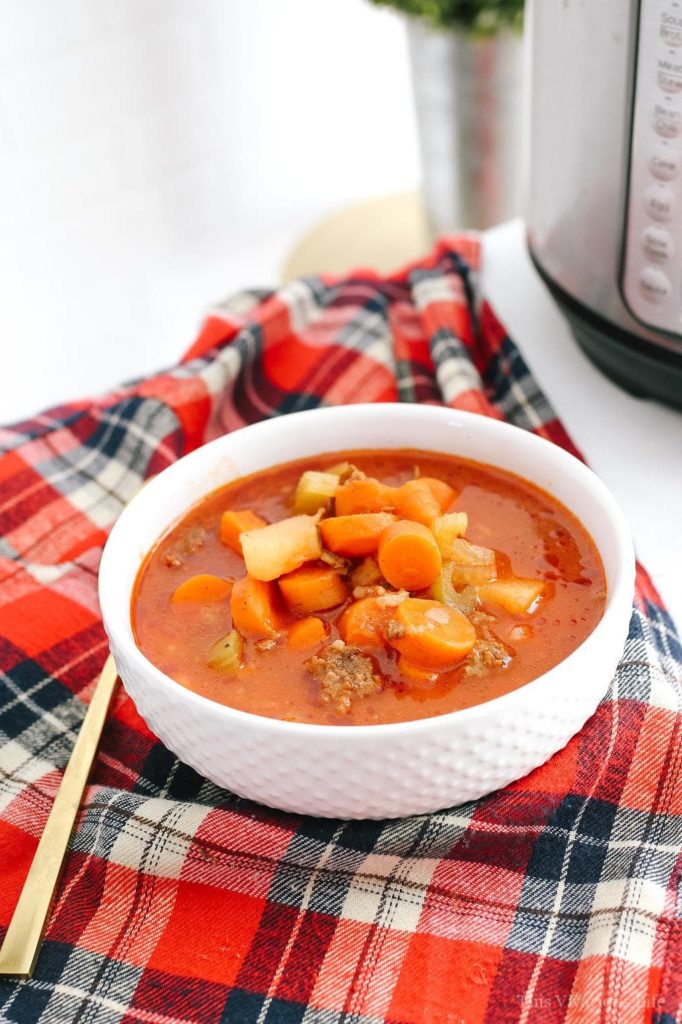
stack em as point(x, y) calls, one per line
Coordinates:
point(24, 936)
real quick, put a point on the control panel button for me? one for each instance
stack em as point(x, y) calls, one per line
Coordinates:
point(658, 243)
point(667, 121)
point(669, 75)
point(664, 161)
point(654, 285)
point(660, 203)
point(671, 29)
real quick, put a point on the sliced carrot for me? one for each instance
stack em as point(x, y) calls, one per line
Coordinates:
point(416, 501)
point(368, 495)
point(254, 607)
point(409, 557)
point(415, 673)
point(355, 535)
point(442, 492)
point(308, 632)
point(312, 588)
point(233, 524)
point(203, 587)
point(362, 624)
point(430, 634)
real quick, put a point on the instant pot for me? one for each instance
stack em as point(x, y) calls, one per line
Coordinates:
point(604, 208)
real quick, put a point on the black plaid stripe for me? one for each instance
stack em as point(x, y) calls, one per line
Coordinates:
point(118, 444)
point(513, 389)
point(594, 869)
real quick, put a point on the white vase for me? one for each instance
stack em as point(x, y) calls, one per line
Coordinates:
point(468, 102)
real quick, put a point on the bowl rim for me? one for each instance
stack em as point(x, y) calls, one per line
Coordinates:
point(621, 589)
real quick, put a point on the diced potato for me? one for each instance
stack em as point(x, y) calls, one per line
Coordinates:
point(281, 547)
point(517, 596)
point(226, 655)
point(442, 589)
point(471, 564)
point(314, 491)
point(366, 574)
point(447, 529)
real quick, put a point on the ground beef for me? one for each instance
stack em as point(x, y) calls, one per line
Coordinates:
point(394, 630)
point(337, 563)
point(267, 644)
point(189, 542)
point(193, 539)
point(486, 654)
point(372, 591)
point(344, 673)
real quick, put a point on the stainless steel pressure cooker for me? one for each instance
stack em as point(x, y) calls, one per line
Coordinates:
point(604, 206)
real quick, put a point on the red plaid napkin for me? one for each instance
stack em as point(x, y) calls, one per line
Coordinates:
point(556, 899)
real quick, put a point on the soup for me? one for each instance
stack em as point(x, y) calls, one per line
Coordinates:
point(367, 587)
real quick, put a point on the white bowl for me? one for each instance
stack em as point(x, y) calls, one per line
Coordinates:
point(372, 771)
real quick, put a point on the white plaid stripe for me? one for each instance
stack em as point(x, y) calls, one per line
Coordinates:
point(383, 885)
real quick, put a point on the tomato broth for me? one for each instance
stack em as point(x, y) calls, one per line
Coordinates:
point(533, 537)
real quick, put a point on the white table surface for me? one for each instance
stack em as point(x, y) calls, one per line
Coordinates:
point(635, 446)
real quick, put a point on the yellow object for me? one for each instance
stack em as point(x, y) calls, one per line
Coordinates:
point(517, 596)
point(281, 547)
point(314, 491)
point(447, 529)
point(22, 941)
point(226, 654)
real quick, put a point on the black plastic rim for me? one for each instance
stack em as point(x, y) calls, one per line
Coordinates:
point(638, 366)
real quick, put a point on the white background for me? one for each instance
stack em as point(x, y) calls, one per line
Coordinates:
point(156, 155)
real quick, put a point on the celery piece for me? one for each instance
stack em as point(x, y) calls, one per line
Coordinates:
point(443, 590)
point(314, 491)
point(471, 564)
point(226, 655)
point(447, 529)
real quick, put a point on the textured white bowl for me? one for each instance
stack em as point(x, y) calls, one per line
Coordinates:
point(376, 771)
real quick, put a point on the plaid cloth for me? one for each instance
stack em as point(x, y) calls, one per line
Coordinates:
point(557, 899)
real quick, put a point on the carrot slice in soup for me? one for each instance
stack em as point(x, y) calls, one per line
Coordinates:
point(415, 673)
point(308, 632)
point(429, 634)
point(312, 588)
point(416, 501)
point(368, 495)
point(254, 607)
point(233, 524)
point(442, 492)
point(201, 588)
point(409, 557)
point(355, 535)
point(362, 624)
